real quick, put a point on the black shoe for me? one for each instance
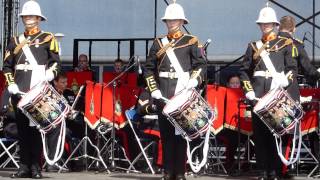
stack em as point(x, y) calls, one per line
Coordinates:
point(21, 174)
point(36, 172)
point(286, 176)
point(168, 177)
point(263, 176)
point(273, 175)
point(52, 168)
point(180, 177)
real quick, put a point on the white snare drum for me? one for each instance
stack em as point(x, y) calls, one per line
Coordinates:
point(279, 111)
point(44, 106)
point(189, 113)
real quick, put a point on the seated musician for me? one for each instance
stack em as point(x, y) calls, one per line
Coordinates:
point(149, 124)
point(229, 137)
point(75, 126)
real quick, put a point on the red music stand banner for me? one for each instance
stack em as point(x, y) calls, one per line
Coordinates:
point(127, 79)
point(216, 98)
point(310, 120)
point(113, 110)
point(77, 79)
point(233, 96)
point(92, 104)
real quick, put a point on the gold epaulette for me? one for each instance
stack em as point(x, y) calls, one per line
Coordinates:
point(284, 42)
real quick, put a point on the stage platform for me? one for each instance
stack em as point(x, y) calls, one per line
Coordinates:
point(5, 175)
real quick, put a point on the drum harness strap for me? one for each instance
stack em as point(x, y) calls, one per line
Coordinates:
point(297, 130)
point(39, 70)
point(183, 78)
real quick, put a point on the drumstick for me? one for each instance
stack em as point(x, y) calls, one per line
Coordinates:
point(77, 97)
point(22, 93)
point(164, 99)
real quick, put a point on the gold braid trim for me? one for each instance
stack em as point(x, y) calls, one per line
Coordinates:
point(259, 51)
point(164, 49)
point(286, 43)
point(26, 41)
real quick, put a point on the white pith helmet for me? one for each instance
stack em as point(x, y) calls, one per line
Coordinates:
point(267, 15)
point(32, 8)
point(174, 11)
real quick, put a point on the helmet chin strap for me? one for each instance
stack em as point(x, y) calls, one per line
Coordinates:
point(30, 25)
point(175, 29)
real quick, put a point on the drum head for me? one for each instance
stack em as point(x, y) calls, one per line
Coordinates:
point(266, 99)
point(177, 101)
point(31, 95)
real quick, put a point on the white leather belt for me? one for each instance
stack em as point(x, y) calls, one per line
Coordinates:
point(171, 75)
point(150, 116)
point(265, 74)
point(23, 67)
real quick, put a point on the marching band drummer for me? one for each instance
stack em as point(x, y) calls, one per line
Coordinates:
point(173, 64)
point(30, 58)
point(287, 29)
point(257, 80)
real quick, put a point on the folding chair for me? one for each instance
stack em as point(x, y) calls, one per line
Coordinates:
point(12, 156)
point(133, 117)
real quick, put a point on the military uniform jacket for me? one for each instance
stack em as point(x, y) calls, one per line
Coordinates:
point(304, 65)
point(44, 48)
point(282, 58)
point(147, 110)
point(188, 52)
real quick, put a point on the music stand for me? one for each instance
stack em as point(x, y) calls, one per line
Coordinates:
point(84, 141)
point(318, 161)
point(241, 103)
point(113, 82)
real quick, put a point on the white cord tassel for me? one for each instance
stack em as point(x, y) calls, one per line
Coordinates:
point(196, 166)
point(60, 144)
point(291, 160)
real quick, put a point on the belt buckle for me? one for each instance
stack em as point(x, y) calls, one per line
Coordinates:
point(171, 75)
point(267, 74)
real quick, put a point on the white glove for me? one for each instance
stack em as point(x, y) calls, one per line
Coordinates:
point(318, 70)
point(251, 95)
point(13, 88)
point(192, 83)
point(156, 94)
point(281, 79)
point(49, 75)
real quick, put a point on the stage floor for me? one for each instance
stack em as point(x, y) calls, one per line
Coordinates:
point(4, 175)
